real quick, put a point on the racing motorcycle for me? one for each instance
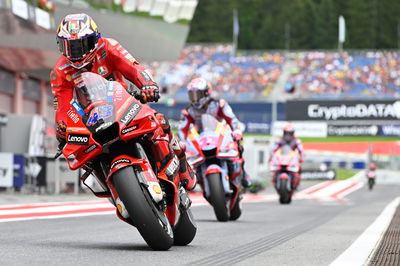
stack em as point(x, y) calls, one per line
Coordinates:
point(283, 165)
point(212, 151)
point(109, 135)
point(371, 179)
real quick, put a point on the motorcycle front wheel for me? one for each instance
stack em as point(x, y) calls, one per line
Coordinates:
point(150, 221)
point(284, 194)
point(217, 197)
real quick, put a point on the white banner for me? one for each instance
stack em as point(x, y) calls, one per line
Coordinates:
point(302, 129)
point(172, 11)
point(187, 10)
point(159, 7)
point(6, 169)
point(20, 8)
point(144, 5)
point(42, 18)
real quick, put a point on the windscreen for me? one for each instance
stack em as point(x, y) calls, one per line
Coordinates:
point(92, 88)
point(208, 123)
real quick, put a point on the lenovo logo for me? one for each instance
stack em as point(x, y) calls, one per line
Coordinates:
point(78, 139)
point(132, 112)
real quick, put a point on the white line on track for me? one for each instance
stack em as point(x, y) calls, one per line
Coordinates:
point(362, 249)
point(54, 210)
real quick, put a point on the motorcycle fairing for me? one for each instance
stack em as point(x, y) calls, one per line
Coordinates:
point(214, 168)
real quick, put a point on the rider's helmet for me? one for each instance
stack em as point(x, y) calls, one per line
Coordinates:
point(77, 39)
point(199, 91)
point(372, 166)
point(288, 132)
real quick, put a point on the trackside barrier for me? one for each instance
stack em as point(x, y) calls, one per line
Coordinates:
point(256, 155)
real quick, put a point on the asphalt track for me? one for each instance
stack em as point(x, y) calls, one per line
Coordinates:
point(307, 232)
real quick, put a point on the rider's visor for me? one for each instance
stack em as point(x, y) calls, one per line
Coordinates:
point(76, 50)
point(196, 95)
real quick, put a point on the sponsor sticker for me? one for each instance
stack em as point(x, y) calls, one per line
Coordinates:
point(128, 129)
point(102, 70)
point(100, 112)
point(119, 161)
point(103, 126)
point(131, 113)
point(172, 167)
point(77, 107)
point(78, 139)
point(68, 77)
point(90, 149)
point(74, 116)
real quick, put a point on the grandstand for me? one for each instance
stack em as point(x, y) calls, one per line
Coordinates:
point(303, 75)
point(244, 77)
point(354, 74)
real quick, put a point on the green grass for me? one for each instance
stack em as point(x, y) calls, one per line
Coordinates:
point(343, 174)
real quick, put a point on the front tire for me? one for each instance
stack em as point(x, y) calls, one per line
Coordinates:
point(150, 221)
point(284, 194)
point(217, 197)
point(370, 184)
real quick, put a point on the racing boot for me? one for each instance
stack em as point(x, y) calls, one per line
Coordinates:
point(296, 181)
point(186, 174)
point(246, 181)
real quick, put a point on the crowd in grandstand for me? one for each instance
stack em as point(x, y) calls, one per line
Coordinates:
point(240, 77)
point(356, 74)
point(252, 76)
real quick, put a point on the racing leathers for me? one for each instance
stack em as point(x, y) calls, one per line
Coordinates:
point(112, 62)
point(221, 110)
point(295, 144)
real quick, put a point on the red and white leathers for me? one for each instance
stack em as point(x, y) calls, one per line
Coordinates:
point(112, 62)
point(295, 144)
point(219, 109)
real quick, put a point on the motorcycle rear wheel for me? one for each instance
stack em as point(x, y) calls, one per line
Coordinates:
point(217, 197)
point(150, 221)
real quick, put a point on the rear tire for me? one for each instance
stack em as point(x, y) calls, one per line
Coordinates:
point(217, 197)
point(185, 230)
point(143, 210)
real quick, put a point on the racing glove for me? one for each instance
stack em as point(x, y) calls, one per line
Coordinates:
point(149, 93)
point(61, 131)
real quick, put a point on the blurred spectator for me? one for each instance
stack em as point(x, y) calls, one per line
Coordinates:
point(249, 76)
point(46, 5)
point(362, 74)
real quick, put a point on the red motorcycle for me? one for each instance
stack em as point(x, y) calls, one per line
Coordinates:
point(284, 164)
point(110, 135)
point(215, 155)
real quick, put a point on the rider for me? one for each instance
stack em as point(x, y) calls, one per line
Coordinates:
point(84, 50)
point(201, 102)
point(371, 167)
point(294, 143)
